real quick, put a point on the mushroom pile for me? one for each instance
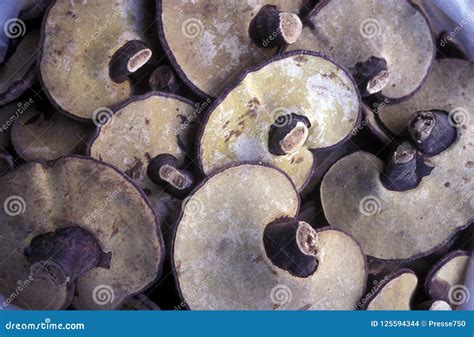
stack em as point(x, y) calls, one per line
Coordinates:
point(234, 155)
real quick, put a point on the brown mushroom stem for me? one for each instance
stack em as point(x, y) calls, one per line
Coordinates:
point(163, 79)
point(64, 255)
point(292, 245)
point(128, 59)
point(371, 75)
point(272, 28)
point(288, 134)
point(432, 131)
point(405, 169)
point(163, 170)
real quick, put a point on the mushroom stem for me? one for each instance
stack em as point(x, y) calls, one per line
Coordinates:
point(163, 170)
point(405, 169)
point(288, 134)
point(64, 255)
point(272, 28)
point(371, 75)
point(291, 245)
point(163, 79)
point(432, 131)
point(128, 59)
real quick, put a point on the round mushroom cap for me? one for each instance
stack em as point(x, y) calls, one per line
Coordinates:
point(449, 87)
point(393, 225)
point(219, 257)
point(79, 40)
point(208, 41)
point(445, 280)
point(237, 126)
point(74, 191)
point(351, 31)
point(39, 136)
point(396, 292)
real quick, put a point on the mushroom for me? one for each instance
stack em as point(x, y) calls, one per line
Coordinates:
point(226, 256)
point(89, 46)
point(394, 292)
point(387, 45)
point(259, 119)
point(434, 305)
point(209, 42)
point(19, 73)
point(163, 79)
point(397, 221)
point(445, 280)
point(139, 302)
point(48, 136)
point(77, 222)
point(8, 115)
point(448, 88)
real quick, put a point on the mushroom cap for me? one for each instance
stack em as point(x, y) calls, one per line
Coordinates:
point(8, 115)
point(404, 225)
point(42, 198)
point(36, 136)
point(394, 30)
point(237, 125)
point(78, 42)
point(208, 41)
point(446, 278)
point(220, 261)
point(19, 73)
point(449, 87)
point(396, 292)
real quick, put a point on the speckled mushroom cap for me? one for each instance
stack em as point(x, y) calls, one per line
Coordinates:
point(394, 292)
point(449, 87)
point(220, 261)
point(402, 225)
point(41, 198)
point(37, 136)
point(19, 73)
point(351, 31)
point(79, 40)
point(445, 280)
point(208, 41)
point(141, 129)
point(237, 125)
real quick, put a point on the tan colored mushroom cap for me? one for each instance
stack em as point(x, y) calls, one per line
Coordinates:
point(209, 40)
point(351, 31)
point(402, 225)
point(79, 39)
point(396, 293)
point(140, 130)
point(220, 261)
point(36, 136)
point(42, 198)
point(449, 87)
point(237, 128)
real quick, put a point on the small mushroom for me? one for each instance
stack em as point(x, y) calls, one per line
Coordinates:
point(445, 280)
point(448, 88)
point(208, 42)
point(394, 225)
point(259, 119)
point(388, 45)
point(237, 263)
point(48, 136)
point(394, 292)
point(87, 46)
point(19, 73)
point(163, 79)
point(75, 222)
